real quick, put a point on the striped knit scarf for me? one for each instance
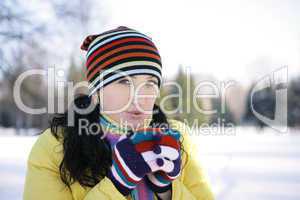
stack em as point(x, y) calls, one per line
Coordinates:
point(112, 132)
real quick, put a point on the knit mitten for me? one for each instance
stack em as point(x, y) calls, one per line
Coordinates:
point(160, 181)
point(133, 158)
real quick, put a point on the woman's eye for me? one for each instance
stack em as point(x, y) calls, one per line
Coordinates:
point(148, 83)
point(152, 83)
point(124, 81)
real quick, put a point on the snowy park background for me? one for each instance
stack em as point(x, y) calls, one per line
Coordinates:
point(234, 41)
point(245, 166)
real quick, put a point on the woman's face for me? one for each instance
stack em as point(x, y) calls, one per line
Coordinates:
point(130, 99)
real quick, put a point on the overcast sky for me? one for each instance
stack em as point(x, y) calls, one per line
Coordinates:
point(232, 39)
point(228, 39)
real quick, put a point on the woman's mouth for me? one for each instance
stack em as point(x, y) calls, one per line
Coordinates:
point(135, 114)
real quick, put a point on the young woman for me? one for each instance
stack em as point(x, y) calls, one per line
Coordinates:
point(124, 147)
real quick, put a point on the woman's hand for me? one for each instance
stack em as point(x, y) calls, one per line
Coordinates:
point(135, 156)
point(160, 181)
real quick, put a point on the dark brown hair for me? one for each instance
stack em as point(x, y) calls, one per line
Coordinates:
point(87, 156)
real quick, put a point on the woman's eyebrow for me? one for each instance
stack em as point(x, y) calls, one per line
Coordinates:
point(148, 77)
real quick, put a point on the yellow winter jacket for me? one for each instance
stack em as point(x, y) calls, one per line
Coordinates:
point(43, 178)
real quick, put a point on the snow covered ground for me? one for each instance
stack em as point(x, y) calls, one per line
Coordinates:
point(249, 166)
point(244, 166)
point(13, 155)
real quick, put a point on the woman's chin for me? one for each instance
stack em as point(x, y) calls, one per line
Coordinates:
point(136, 121)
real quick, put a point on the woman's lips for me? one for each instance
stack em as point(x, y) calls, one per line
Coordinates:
point(135, 115)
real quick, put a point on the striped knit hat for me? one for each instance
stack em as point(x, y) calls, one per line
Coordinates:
point(119, 52)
